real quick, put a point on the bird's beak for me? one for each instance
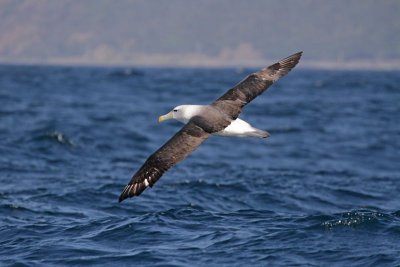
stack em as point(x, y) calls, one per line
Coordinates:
point(166, 117)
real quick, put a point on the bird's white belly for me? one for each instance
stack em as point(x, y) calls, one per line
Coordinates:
point(237, 128)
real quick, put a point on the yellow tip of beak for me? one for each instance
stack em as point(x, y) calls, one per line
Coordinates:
point(166, 117)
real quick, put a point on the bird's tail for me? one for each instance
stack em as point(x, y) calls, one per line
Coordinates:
point(259, 133)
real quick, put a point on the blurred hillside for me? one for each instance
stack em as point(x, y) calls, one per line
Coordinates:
point(198, 33)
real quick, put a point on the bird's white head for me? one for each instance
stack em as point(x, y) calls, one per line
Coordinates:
point(181, 113)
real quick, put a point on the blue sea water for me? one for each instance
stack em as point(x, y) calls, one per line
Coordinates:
point(323, 190)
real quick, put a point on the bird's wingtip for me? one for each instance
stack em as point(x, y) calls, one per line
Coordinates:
point(124, 195)
point(296, 55)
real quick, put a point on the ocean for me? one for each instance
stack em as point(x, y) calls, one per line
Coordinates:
point(323, 190)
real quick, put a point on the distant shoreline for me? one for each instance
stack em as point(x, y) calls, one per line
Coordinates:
point(197, 61)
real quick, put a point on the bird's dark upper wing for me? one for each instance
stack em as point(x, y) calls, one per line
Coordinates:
point(233, 101)
point(172, 152)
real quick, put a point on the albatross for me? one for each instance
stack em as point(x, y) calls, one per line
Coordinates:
point(218, 118)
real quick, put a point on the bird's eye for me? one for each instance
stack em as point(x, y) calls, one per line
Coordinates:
point(175, 110)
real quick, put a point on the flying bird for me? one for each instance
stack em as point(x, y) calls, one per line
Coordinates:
point(218, 118)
